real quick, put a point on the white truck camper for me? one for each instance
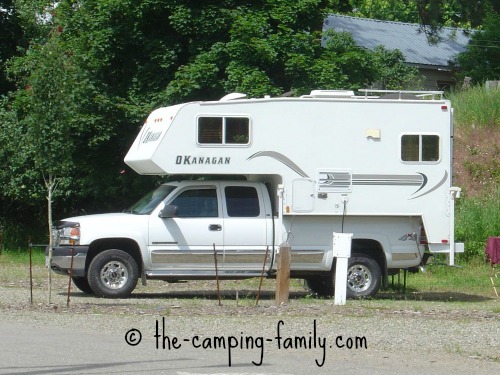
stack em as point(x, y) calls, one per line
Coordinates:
point(272, 170)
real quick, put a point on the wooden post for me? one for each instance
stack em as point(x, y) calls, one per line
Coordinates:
point(283, 275)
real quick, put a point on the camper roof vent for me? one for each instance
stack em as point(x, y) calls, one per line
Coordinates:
point(233, 96)
point(331, 94)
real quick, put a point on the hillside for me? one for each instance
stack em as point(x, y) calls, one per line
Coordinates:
point(477, 168)
point(477, 140)
point(477, 160)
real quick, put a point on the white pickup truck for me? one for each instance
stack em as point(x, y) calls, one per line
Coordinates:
point(173, 233)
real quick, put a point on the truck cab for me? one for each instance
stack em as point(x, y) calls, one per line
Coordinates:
point(178, 231)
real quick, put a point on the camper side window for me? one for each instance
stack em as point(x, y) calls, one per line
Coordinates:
point(223, 130)
point(420, 148)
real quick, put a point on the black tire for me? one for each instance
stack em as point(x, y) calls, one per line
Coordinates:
point(113, 274)
point(83, 284)
point(363, 276)
point(363, 279)
point(321, 285)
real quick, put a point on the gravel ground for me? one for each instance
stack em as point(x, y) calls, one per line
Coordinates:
point(453, 326)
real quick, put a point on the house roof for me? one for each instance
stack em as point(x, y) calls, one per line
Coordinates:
point(406, 37)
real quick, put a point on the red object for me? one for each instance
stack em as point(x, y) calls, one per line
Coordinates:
point(493, 250)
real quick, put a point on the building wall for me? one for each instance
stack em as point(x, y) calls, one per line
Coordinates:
point(435, 79)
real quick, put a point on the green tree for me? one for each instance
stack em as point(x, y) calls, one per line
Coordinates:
point(391, 71)
point(480, 60)
point(388, 10)
point(431, 14)
point(92, 70)
point(46, 108)
point(10, 37)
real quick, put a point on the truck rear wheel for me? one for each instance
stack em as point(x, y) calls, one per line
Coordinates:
point(363, 279)
point(321, 285)
point(113, 274)
point(363, 276)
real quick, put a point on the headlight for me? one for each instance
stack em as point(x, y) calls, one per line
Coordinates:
point(66, 233)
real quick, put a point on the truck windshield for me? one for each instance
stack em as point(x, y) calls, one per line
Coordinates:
point(151, 200)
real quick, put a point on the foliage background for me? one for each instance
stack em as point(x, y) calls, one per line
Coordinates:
point(78, 77)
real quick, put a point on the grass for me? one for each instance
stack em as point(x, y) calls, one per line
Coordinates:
point(477, 218)
point(21, 256)
point(470, 278)
point(468, 281)
point(476, 107)
point(14, 266)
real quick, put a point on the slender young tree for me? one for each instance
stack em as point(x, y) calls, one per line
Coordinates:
point(48, 123)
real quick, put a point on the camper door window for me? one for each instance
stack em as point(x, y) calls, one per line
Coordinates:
point(420, 148)
point(223, 130)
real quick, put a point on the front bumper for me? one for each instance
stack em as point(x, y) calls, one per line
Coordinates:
point(61, 259)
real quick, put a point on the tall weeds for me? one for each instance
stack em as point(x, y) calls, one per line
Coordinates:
point(476, 107)
point(477, 218)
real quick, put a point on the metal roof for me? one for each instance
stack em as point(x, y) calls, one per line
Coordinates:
point(406, 37)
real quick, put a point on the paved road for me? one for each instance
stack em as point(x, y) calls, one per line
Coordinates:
point(37, 348)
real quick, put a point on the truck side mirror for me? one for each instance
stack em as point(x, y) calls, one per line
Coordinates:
point(169, 211)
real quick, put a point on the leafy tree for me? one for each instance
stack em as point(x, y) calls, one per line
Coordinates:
point(389, 10)
point(432, 14)
point(391, 71)
point(274, 49)
point(91, 70)
point(45, 118)
point(10, 37)
point(480, 60)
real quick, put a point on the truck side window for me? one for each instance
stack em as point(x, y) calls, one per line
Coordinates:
point(242, 201)
point(197, 203)
point(419, 147)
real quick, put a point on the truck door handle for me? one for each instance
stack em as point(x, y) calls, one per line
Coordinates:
point(215, 227)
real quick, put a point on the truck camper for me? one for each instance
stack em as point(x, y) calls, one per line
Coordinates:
point(275, 170)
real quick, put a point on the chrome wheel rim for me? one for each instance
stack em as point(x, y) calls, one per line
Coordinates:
point(358, 278)
point(114, 275)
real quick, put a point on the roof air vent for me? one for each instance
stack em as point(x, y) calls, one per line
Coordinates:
point(233, 96)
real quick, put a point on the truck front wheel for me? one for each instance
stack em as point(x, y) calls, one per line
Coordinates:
point(113, 274)
point(82, 283)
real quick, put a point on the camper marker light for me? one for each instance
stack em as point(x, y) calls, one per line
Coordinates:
point(444, 241)
point(444, 107)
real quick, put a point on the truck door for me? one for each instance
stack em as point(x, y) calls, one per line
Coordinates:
point(247, 228)
point(185, 243)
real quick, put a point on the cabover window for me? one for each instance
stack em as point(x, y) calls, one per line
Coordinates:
point(420, 148)
point(223, 130)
